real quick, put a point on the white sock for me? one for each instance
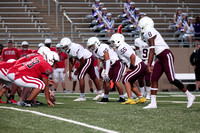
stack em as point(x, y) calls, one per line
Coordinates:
point(188, 93)
point(82, 95)
point(99, 92)
point(148, 89)
point(153, 99)
point(122, 96)
point(105, 96)
point(142, 91)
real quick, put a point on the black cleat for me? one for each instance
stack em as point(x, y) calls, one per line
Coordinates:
point(121, 100)
point(28, 104)
point(104, 100)
point(91, 90)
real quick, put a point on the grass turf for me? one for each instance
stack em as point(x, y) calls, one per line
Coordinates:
point(168, 117)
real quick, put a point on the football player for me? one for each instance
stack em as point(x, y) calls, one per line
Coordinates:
point(137, 68)
point(142, 50)
point(76, 51)
point(164, 63)
point(113, 67)
point(25, 50)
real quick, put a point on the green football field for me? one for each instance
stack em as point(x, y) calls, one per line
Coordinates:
point(68, 116)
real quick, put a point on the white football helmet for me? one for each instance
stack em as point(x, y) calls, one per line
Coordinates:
point(52, 57)
point(11, 60)
point(43, 51)
point(58, 45)
point(116, 40)
point(93, 41)
point(40, 45)
point(24, 43)
point(65, 44)
point(144, 24)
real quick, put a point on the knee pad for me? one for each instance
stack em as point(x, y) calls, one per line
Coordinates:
point(178, 84)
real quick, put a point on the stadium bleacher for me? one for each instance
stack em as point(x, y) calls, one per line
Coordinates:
point(36, 20)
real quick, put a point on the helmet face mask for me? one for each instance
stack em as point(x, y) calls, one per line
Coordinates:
point(93, 43)
point(116, 40)
point(65, 44)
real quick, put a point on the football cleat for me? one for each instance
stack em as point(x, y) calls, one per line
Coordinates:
point(150, 106)
point(12, 101)
point(20, 103)
point(129, 101)
point(28, 104)
point(121, 100)
point(98, 96)
point(80, 99)
point(2, 101)
point(141, 100)
point(191, 99)
point(104, 100)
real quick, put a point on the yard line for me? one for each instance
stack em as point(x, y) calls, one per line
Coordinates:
point(61, 119)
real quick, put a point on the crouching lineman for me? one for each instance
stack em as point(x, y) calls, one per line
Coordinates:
point(76, 51)
point(113, 68)
point(136, 66)
point(34, 74)
point(164, 63)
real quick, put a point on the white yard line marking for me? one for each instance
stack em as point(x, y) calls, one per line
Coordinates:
point(61, 119)
point(59, 103)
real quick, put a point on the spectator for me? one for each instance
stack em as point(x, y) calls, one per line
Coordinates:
point(109, 25)
point(60, 69)
point(195, 62)
point(177, 18)
point(94, 7)
point(102, 16)
point(189, 30)
point(181, 27)
point(10, 52)
point(132, 26)
point(197, 30)
point(98, 11)
point(24, 51)
point(126, 7)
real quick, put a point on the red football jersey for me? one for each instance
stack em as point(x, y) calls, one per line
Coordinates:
point(35, 51)
point(37, 68)
point(4, 66)
point(10, 53)
point(61, 63)
point(95, 62)
point(53, 49)
point(19, 63)
point(25, 52)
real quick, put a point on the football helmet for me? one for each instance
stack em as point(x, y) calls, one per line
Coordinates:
point(145, 23)
point(43, 51)
point(40, 45)
point(52, 57)
point(58, 45)
point(11, 60)
point(116, 40)
point(24, 43)
point(93, 41)
point(65, 44)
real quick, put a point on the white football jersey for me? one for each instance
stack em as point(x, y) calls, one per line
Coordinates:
point(160, 44)
point(101, 51)
point(143, 48)
point(77, 51)
point(125, 50)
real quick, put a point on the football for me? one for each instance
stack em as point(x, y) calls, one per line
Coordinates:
point(52, 99)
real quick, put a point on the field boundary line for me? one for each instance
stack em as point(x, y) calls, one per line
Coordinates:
point(61, 119)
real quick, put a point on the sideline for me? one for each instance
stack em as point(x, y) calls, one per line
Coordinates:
point(61, 119)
